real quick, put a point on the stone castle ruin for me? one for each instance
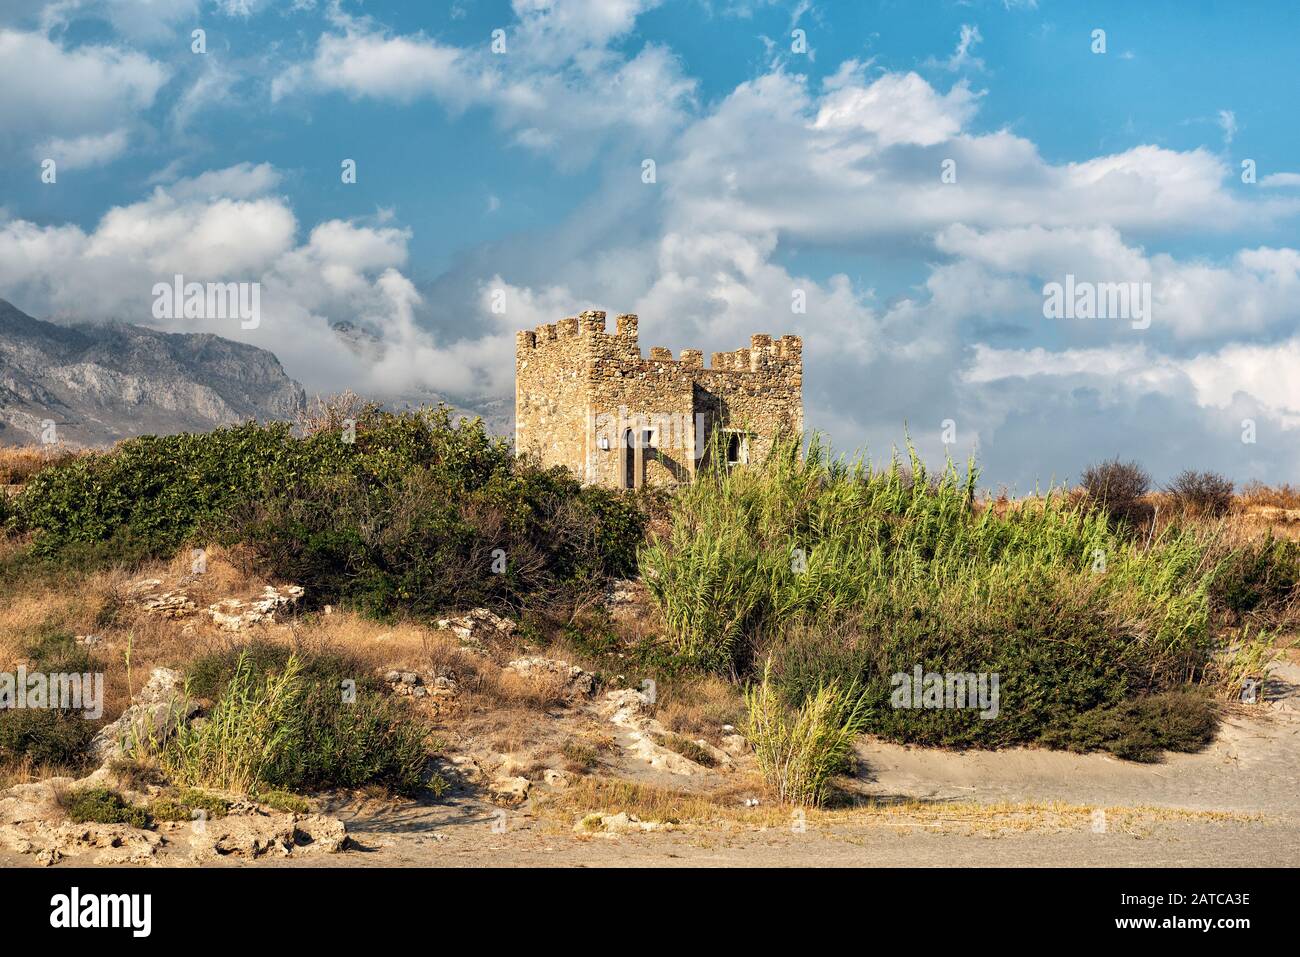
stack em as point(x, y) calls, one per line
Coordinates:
point(589, 400)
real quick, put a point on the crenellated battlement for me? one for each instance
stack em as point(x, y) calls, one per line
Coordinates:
point(574, 372)
point(584, 337)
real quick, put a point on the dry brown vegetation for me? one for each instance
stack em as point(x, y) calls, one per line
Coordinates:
point(18, 463)
point(726, 808)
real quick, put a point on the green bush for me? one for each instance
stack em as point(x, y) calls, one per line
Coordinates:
point(843, 573)
point(103, 806)
point(182, 806)
point(278, 730)
point(54, 651)
point(427, 543)
point(46, 736)
point(283, 801)
point(1257, 576)
point(407, 518)
point(208, 675)
point(1141, 729)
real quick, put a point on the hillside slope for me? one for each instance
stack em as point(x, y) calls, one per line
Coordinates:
point(100, 383)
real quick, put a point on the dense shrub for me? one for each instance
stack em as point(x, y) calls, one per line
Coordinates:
point(103, 806)
point(1118, 489)
point(155, 493)
point(46, 736)
point(845, 574)
point(424, 544)
point(1140, 729)
point(208, 675)
point(1257, 576)
point(412, 515)
point(49, 736)
point(1201, 493)
point(276, 729)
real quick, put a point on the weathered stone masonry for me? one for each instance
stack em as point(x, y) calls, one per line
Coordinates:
point(588, 399)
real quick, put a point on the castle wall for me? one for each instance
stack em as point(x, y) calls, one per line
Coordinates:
point(758, 390)
point(578, 384)
point(551, 394)
point(654, 394)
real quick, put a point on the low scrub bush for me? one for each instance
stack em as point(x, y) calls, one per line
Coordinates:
point(102, 806)
point(1257, 577)
point(278, 730)
point(800, 751)
point(46, 736)
point(50, 736)
point(208, 675)
point(1141, 729)
point(1119, 489)
point(1201, 493)
point(183, 806)
point(283, 801)
point(415, 515)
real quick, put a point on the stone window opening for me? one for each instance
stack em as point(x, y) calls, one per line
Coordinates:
point(737, 448)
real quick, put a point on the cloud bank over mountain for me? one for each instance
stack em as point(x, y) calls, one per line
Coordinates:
point(916, 235)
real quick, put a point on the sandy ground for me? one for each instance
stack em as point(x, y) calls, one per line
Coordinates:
point(1236, 803)
point(1252, 770)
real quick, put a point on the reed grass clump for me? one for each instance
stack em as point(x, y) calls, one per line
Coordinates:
point(841, 572)
point(276, 730)
point(800, 750)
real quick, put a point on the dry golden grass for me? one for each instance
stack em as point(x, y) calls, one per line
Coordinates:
point(699, 707)
point(726, 809)
point(21, 462)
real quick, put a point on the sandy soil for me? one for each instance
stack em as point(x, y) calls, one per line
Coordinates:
point(1235, 803)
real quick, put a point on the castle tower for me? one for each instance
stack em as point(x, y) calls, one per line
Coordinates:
point(588, 399)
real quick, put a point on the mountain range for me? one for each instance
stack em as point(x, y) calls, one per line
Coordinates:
point(97, 383)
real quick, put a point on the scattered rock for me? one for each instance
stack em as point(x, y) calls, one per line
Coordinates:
point(626, 708)
point(557, 778)
point(466, 768)
point(169, 603)
point(230, 614)
point(630, 710)
point(155, 712)
point(508, 791)
point(35, 801)
point(50, 842)
point(415, 685)
point(621, 823)
point(575, 682)
point(478, 627)
point(735, 745)
point(237, 614)
point(251, 831)
point(33, 822)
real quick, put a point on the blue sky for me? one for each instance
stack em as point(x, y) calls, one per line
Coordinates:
point(776, 170)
